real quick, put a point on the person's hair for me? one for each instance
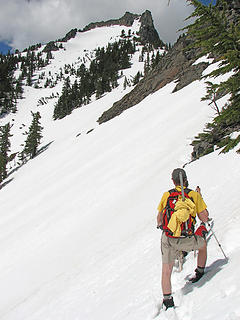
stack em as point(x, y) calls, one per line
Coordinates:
point(176, 177)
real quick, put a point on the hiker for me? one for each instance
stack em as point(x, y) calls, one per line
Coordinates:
point(176, 217)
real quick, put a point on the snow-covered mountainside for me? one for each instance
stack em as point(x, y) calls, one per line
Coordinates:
point(78, 237)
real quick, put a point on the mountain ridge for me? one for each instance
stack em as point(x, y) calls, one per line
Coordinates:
point(147, 32)
point(127, 20)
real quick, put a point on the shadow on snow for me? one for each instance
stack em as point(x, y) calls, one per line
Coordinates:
point(210, 272)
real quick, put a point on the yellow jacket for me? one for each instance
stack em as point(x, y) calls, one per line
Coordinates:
point(183, 210)
point(199, 206)
point(197, 199)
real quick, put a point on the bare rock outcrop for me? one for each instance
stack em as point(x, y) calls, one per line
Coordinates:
point(176, 65)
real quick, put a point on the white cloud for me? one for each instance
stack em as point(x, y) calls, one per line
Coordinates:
point(26, 22)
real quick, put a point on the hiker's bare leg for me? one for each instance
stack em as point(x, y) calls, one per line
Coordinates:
point(166, 277)
point(202, 256)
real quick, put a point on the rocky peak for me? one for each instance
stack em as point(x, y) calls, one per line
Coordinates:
point(146, 19)
point(147, 32)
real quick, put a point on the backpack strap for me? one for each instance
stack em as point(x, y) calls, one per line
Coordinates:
point(187, 190)
point(167, 205)
point(166, 211)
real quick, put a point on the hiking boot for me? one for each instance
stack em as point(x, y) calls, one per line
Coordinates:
point(197, 277)
point(168, 303)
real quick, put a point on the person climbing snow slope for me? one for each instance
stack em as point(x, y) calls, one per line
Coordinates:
point(176, 218)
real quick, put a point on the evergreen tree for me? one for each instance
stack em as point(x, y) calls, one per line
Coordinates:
point(7, 81)
point(147, 65)
point(64, 104)
point(4, 149)
point(141, 56)
point(213, 32)
point(155, 60)
point(102, 76)
point(114, 79)
point(19, 88)
point(99, 90)
point(29, 79)
point(136, 78)
point(212, 95)
point(49, 55)
point(33, 136)
point(124, 61)
point(125, 84)
point(123, 34)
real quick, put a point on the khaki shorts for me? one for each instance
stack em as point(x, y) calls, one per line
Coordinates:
point(172, 246)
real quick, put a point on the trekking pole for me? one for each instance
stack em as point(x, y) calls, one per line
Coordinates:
point(183, 195)
point(213, 233)
point(180, 257)
point(181, 182)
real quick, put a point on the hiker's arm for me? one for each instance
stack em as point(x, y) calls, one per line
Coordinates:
point(161, 208)
point(203, 215)
point(159, 218)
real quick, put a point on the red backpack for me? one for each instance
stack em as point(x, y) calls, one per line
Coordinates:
point(186, 227)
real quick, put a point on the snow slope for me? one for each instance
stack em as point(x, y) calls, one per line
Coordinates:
point(78, 237)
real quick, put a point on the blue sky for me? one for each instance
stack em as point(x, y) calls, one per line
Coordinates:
point(4, 47)
point(207, 1)
point(24, 34)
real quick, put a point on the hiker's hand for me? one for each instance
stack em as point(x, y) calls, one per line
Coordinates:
point(198, 189)
point(203, 216)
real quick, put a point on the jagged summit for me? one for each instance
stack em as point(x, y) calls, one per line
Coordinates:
point(147, 32)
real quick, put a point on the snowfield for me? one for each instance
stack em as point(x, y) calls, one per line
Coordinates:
point(78, 237)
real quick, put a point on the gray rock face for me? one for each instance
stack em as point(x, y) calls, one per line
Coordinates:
point(147, 32)
point(71, 34)
point(189, 75)
point(215, 140)
point(126, 20)
point(201, 149)
point(175, 65)
point(50, 46)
